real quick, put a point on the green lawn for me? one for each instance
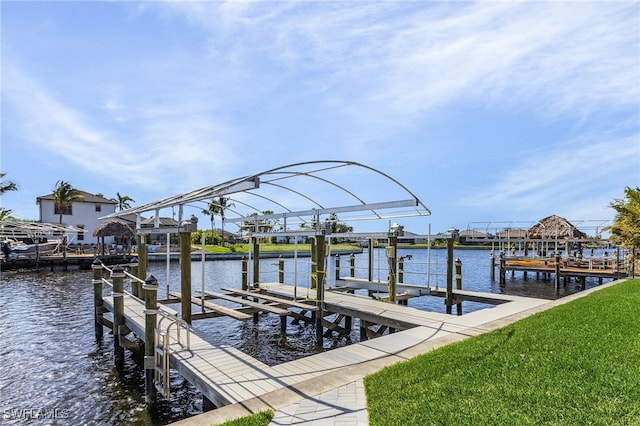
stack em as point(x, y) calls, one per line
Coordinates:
point(575, 364)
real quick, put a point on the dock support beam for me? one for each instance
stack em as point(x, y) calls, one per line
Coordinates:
point(150, 321)
point(97, 297)
point(449, 296)
point(185, 275)
point(117, 275)
point(319, 283)
point(459, 284)
point(142, 259)
point(392, 258)
point(557, 271)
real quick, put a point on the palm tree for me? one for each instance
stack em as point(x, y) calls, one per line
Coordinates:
point(217, 206)
point(211, 210)
point(63, 197)
point(626, 227)
point(5, 213)
point(6, 186)
point(123, 201)
point(223, 203)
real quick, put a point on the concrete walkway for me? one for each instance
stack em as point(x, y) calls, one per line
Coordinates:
point(338, 397)
point(346, 405)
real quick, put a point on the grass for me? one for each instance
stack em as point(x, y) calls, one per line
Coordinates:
point(263, 418)
point(575, 364)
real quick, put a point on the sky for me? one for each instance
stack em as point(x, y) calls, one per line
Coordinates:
point(489, 112)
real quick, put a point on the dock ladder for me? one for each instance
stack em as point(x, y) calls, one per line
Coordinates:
point(164, 343)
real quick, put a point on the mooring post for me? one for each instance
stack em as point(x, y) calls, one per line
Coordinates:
point(320, 274)
point(98, 303)
point(557, 277)
point(401, 270)
point(352, 265)
point(135, 288)
point(449, 296)
point(185, 276)
point(256, 263)
point(337, 275)
point(245, 273)
point(281, 269)
point(503, 272)
point(493, 266)
point(142, 261)
point(392, 251)
point(459, 284)
point(150, 287)
point(370, 266)
point(117, 276)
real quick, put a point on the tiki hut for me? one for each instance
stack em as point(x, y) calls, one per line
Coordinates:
point(555, 227)
point(115, 228)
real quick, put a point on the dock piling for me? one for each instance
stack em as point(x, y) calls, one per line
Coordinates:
point(150, 287)
point(117, 276)
point(98, 303)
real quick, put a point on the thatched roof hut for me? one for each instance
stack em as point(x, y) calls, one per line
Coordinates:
point(115, 228)
point(555, 227)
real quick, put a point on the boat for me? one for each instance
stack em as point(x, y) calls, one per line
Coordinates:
point(28, 247)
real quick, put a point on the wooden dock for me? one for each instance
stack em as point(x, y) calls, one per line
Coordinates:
point(563, 268)
point(225, 375)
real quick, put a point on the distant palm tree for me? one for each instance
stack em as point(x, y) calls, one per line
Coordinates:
point(223, 203)
point(63, 197)
point(123, 201)
point(6, 186)
point(211, 210)
point(217, 206)
point(5, 213)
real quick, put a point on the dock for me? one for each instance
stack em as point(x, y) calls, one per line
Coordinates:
point(225, 375)
point(563, 268)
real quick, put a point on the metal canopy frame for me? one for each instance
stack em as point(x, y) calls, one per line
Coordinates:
point(287, 188)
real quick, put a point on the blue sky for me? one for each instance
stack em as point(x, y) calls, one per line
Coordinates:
point(488, 112)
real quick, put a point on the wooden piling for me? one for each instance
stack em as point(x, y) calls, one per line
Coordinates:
point(319, 279)
point(337, 268)
point(135, 286)
point(449, 296)
point(245, 274)
point(352, 265)
point(557, 271)
point(98, 303)
point(493, 266)
point(117, 276)
point(150, 287)
point(281, 269)
point(392, 251)
point(185, 276)
point(401, 270)
point(459, 284)
point(256, 263)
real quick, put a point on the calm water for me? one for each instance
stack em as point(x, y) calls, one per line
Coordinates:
point(51, 365)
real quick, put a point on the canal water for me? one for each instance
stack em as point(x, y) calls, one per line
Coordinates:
point(53, 371)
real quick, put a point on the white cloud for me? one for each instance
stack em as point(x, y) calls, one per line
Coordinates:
point(401, 60)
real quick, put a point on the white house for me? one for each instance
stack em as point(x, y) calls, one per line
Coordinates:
point(83, 214)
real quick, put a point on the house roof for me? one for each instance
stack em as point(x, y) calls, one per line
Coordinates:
point(88, 198)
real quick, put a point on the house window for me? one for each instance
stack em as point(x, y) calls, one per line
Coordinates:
point(98, 207)
point(81, 232)
point(66, 209)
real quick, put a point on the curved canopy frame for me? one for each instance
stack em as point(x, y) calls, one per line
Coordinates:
point(301, 191)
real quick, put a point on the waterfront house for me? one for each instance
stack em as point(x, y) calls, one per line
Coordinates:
point(84, 214)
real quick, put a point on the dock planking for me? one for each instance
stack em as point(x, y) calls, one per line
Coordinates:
point(226, 375)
